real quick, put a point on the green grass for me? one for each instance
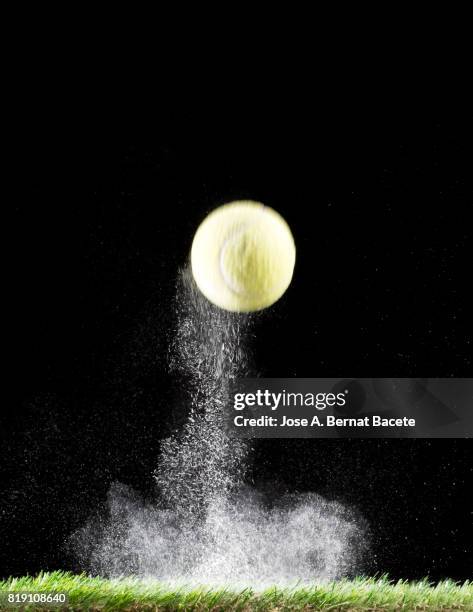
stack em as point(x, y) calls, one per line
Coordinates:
point(86, 593)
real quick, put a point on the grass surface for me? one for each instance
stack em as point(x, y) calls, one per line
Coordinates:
point(87, 593)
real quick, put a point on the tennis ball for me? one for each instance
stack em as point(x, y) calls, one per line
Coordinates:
point(243, 256)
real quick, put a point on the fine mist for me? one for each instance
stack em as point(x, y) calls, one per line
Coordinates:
point(209, 526)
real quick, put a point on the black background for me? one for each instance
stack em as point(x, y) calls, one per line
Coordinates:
point(381, 214)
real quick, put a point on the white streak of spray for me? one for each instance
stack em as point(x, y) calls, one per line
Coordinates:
point(209, 527)
point(201, 464)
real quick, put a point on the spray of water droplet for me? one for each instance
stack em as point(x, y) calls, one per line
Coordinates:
point(201, 464)
point(209, 527)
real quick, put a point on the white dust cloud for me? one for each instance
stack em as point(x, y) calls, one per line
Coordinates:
point(208, 526)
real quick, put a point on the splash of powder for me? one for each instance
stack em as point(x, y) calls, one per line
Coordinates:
point(209, 527)
point(201, 463)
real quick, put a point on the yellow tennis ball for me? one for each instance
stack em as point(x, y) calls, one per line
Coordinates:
point(243, 256)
